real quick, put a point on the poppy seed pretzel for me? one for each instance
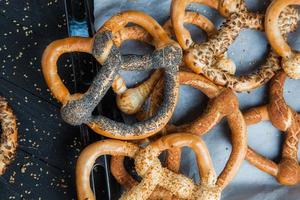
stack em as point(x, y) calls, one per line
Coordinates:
point(78, 108)
point(149, 168)
point(287, 171)
point(9, 134)
point(215, 111)
point(202, 58)
point(131, 100)
point(290, 58)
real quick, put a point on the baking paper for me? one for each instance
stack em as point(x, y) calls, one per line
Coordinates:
point(248, 51)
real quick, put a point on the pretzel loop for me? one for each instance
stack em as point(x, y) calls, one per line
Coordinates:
point(214, 113)
point(290, 58)
point(79, 108)
point(177, 14)
point(49, 63)
point(287, 171)
point(88, 157)
point(285, 119)
point(118, 22)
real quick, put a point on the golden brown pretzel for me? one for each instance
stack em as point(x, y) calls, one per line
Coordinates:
point(131, 100)
point(202, 58)
point(78, 108)
point(287, 171)
point(9, 134)
point(177, 15)
point(215, 111)
point(290, 58)
point(149, 168)
point(121, 175)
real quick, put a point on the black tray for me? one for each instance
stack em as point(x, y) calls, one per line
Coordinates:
point(80, 17)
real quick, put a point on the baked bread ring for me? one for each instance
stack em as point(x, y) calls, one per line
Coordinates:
point(287, 171)
point(77, 108)
point(9, 134)
point(202, 58)
point(131, 100)
point(149, 168)
point(290, 58)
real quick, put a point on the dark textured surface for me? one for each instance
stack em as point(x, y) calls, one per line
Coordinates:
point(45, 161)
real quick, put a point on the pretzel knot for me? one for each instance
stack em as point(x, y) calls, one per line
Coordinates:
point(149, 168)
point(9, 143)
point(287, 171)
point(205, 58)
point(290, 58)
point(77, 108)
point(182, 187)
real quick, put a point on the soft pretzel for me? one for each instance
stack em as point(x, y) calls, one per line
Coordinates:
point(119, 172)
point(290, 58)
point(78, 108)
point(215, 111)
point(131, 100)
point(287, 171)
point(149, 168)
point(9, 134)
point(203, 58)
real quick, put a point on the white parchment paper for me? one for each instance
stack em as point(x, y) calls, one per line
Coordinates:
point(248, 51)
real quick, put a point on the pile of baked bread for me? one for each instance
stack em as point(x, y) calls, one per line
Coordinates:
point(178, 60)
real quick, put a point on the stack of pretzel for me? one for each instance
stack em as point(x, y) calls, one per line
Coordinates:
point(175, 62)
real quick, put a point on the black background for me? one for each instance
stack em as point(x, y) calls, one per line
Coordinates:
point(45, 162)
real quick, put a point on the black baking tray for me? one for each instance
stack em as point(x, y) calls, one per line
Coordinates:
point(80, 20)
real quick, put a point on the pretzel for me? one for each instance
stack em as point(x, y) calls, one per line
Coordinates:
point(215, 111)
point(290, 58)
point(9, 134)
point(119, 172)
point(78, 108)
point(131, 100)
point(287, 171)
point(149, 168)
point(202, 58)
